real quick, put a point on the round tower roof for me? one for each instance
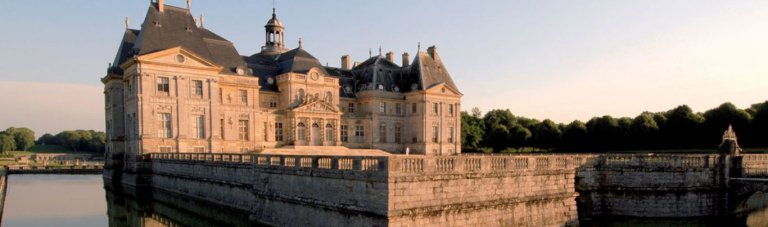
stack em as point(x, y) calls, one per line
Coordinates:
point(274, 22)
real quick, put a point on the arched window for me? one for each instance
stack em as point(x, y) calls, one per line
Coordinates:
point(329, 132)
point(302, 130)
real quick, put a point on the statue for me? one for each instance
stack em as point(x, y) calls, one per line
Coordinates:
point(729, 145)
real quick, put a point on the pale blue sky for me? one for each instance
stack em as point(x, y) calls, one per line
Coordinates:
point(562, 60)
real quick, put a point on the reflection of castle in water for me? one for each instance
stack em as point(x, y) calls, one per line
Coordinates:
point(161, 209)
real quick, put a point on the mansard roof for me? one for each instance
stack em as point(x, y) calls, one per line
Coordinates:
point(431, 71)
point(379, 73)
point(175, 27)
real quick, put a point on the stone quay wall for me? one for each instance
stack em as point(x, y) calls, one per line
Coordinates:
point(521, 190)
point(494, 190)
point(651, 185)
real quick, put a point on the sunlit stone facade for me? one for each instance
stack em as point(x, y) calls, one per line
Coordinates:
point(175, 86)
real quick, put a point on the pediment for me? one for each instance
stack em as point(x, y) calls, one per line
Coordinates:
point(315, 105)
point(179, 56)
point(442, 88)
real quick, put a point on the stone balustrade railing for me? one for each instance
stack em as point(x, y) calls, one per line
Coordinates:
point(672, 161)
point(355, 163)
point(753, 165)
point(418, 164)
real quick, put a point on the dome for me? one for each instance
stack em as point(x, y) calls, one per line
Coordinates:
point(274, 22)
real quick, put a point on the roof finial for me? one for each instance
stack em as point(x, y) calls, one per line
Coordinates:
point(379, 50)
point(126, 22)
point(189, 5)
point(418, 48)
point(370, 54)
point(202, 19)
point(273, 8)
point(299, 41)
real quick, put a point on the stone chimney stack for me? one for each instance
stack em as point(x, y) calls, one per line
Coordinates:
point(391, 56)
point(406, 59)
point(160, 5)
point(433, 53)
point(345, 62)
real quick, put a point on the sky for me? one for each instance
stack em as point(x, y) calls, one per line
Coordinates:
point(552, 59)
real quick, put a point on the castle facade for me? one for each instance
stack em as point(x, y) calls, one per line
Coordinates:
point(175, 86)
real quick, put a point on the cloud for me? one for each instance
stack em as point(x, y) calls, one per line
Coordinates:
point(51, 107)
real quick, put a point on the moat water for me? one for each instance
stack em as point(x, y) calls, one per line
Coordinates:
point(81, 200)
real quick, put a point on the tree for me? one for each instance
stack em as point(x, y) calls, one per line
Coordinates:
point(70, 139)
point(718, 119)
point(643, 131)
point(518, 137)
point(472, 131)
point(7, 143)
point(759, 127)
point(603, 132)
point(682, 126)
point(546, 135)
point(499, 117)
point(575, 136)
point(47, 139)
point(23, 137)
point(498, 138)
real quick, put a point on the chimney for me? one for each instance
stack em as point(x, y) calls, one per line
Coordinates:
point(406, 59)
point(345, 62)
point(160, 5)
point(433, 52)
point(391, 56)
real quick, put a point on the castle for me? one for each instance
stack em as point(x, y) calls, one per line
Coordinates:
point(175, 86)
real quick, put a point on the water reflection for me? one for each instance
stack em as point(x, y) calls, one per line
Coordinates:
point(126, 210)
point(81, 200)
point(54, 200)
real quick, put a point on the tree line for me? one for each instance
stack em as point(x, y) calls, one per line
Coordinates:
point(678, 128)
point(76, 140)
point(22, 139)
point(13, 139)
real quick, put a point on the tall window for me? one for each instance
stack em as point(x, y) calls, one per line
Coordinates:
point(450, 134)
point(382, 107)
point(435, 108)
point(398, 108)
point(242, 126)
point(221, 124)
point(435, 134)
point(383, 133)
point(398, 133)
point(278, 131)
point(351, 108)
point(450, 109)
point(244, 97)
point(329, 132)
point(164, 123)
point(344, 133)
point(163, 85)
point(413, 107)
point(302, 130)
point(272, 102)
point(197, 88)
point(198, 126)
point(359, 133)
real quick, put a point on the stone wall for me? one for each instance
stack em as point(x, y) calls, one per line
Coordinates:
point(408, 190)
point(650, 185)
point(517, 190)
point(523, 190)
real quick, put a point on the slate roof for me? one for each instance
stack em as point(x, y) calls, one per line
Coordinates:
point(176, 27)
point(378, 73)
